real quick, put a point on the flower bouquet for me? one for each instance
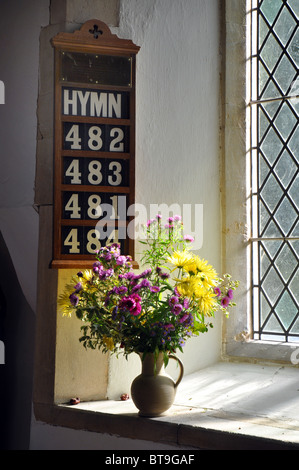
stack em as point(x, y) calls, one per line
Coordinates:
point(173, 298)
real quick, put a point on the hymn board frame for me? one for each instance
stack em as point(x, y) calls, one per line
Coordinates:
point(92, 42)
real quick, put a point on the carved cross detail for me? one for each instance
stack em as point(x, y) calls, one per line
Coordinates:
point(95, 31)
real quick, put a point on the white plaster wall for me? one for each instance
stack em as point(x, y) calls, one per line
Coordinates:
point(177, 148)
point(20, 24)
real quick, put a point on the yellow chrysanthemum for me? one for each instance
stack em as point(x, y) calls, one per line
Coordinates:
point(108, 342)
point(200, 267)
point(87, 275)
point(186, 287)
point(179, 258)
point(205, 299)
point(64, 305)
point(63, 301)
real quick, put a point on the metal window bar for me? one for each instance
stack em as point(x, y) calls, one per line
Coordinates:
point(275, 288)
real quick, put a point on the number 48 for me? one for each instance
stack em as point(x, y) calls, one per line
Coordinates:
point(92, 242)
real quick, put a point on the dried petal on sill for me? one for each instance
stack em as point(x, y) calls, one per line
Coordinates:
point(74, 401)
point(124, 397)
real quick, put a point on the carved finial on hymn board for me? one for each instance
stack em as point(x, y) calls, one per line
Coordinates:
point(93, 34)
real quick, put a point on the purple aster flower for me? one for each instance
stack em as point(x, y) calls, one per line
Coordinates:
point(130, 276)
point(230, 293)
point(217, 291)
point(121, 260)
point(169, 327)
point(164, 275)
point(176, 309)
point(149, 222)
point(177, 292)
point(146, 273)
point(184, 318)
point(173, 300)
point(145, 283)
point(122, 290)
point(188, 238)
point(105, 274)
point(225, 301)
point(154, 289)
point(97, 267)
point(78, 287)
point(74, 299)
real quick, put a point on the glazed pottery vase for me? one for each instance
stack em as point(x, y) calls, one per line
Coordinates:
point(153, 391)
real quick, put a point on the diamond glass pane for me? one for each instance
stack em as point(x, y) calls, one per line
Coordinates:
point(294, 5)
point(276, 184)
point(286, 216)
point(284, 26)
point(286, 263)
point(294, 192)
point(285, 121)
point(286, 310)
point(272, 286)
point(294, 144)
point(271, 193)
point(293, 48)
point(270, 9)
point(271, 145)
point(285, 169)
point(271, 52)
point(285, 74)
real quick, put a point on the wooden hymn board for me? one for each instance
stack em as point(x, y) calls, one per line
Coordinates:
point(94, 162)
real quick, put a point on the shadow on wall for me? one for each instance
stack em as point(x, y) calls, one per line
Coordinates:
point(17, 322)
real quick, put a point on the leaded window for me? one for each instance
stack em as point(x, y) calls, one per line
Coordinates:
point(274, 155)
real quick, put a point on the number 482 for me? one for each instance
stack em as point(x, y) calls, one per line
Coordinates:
point(95, 138)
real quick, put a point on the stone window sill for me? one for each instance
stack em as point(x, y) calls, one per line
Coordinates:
point(227, 406)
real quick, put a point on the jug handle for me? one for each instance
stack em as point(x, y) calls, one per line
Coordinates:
point(172, 356)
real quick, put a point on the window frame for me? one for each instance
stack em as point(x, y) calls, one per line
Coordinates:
point(259, 103)
point(238, 341)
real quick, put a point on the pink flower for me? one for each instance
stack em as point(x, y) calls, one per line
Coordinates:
point(131, 303)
